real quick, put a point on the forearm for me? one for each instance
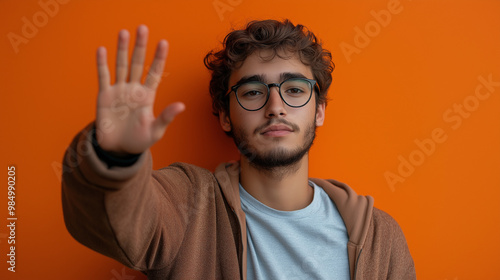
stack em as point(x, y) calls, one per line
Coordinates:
point(97, 200)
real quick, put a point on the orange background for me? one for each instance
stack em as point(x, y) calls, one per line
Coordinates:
point(396, 88)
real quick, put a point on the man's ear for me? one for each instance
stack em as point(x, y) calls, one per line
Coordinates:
point(224, 121)
point(320, 114)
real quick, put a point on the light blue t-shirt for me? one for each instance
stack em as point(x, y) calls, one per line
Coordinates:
point(310, 243)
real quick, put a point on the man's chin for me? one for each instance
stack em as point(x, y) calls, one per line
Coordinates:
point(275, 155)
point(277, 158)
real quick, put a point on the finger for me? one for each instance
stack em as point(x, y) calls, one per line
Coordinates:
point(122, 56)
point(102, 68)
point(156, 71)
point(165, 118)
point(139, 54)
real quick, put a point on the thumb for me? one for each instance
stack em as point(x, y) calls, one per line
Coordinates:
point(166, 117)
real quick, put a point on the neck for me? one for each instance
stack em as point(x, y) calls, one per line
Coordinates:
point(284, 188)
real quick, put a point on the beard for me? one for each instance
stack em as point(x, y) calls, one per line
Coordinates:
point(278, 158)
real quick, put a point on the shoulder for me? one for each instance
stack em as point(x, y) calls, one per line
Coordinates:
point(186, 168)
point(385, 241)
point(387, 229)
point(184, 179)
point(382, 219)
point(386, 224)
point(185, 171)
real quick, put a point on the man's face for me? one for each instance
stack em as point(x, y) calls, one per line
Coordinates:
point(276, 135)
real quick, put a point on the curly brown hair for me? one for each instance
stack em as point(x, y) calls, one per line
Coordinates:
point(277, 36)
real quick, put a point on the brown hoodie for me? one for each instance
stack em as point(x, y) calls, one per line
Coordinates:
point(184, 222)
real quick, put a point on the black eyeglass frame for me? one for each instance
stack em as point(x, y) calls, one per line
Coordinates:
point(313, 83)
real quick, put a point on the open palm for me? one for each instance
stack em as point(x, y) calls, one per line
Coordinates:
point(125, 121)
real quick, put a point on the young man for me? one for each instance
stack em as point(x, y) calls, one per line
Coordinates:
point(261, 218)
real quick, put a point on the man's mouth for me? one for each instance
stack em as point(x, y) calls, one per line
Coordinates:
point(276, 130)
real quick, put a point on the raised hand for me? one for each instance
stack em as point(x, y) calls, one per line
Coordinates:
point(125, 122)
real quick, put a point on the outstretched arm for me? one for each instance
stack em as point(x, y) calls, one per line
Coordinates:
point(125, 212)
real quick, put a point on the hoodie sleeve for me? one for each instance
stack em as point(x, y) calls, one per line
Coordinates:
point(130, 213)
point(386, 253)
point(401, 265)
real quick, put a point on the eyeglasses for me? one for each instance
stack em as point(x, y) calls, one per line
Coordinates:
point(295, 92)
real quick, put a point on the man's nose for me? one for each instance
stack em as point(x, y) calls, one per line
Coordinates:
point(275, 105)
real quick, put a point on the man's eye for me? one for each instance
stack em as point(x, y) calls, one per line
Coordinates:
point(252, 93)
point(294, 91)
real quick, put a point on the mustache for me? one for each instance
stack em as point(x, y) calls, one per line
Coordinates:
point(276, 121)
